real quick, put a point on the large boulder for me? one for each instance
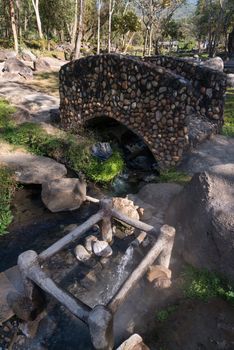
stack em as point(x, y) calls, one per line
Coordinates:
point(230, 80)
point(63, 194)
point(214, 63)
point(32, 169)
point(42, 65)
point(203, 215)
point(27, 55)
point(15, 66)
point(5, 54)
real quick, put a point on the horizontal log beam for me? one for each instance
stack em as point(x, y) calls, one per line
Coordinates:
point(166, 235)
point(72, 236)
point(133, 222)
point(29, 265)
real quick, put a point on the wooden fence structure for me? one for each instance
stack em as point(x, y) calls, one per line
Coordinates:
point(100, 318)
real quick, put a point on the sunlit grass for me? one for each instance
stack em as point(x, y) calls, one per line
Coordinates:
point(228, 128)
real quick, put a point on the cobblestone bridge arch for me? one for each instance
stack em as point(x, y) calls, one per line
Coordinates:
point(150, 100)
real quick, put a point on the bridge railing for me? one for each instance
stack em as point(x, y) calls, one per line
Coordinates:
point(100, 318)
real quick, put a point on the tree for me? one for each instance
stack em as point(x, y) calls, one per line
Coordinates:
point(13, 25)
point(38, 18)
point(80, 30)
point(154, 13)
point(99, 5)
point(111, 10)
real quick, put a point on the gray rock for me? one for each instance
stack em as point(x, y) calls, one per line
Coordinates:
point(15, 66)
point(5, 54)
point(203, 215)
point(27, 55)
point(230, 80)
point(102, 248)
point(42, 65)
point(32, 169)
point(89, 241)
point(63, 194)
point(81, 253)
point(102, 150)
point(214, 63)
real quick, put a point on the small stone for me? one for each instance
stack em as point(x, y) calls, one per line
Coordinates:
point(89, 241)
point(81, 253)
point(102, 248)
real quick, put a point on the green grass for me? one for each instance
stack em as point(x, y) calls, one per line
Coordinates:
point(6, 111)
point(228, 128)
point(172, 175)
point(69, 150)
point(163, 314)
point(7, 189)
point(205, 285)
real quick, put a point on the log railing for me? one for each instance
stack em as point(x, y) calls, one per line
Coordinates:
point(100, 318)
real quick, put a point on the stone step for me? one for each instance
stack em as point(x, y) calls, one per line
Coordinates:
point(10, 281)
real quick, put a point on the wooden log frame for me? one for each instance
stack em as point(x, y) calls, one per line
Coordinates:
point(166, 236)
point(29, 266)
point(32, 273)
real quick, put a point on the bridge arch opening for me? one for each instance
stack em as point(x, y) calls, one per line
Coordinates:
point(137, 155)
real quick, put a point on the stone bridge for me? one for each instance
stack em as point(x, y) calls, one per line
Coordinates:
point(155, 97)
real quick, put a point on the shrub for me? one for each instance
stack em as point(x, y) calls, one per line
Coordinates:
point(204, 285)
point(7, 189)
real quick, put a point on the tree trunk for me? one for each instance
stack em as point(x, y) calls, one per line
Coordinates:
point(80, 31)
point(38, 18)
point(129, 42)
point(150, 40)
point(13, 25)
point(145, 42)
point(99, 26)
point(109, 26)
point(74, 31)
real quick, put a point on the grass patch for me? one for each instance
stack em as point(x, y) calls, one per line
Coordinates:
point(163, 314)
point(228, 127)
point(69, 150)
point(172, 175)
point(204, 285)
point(6, 110)
point(7, 189)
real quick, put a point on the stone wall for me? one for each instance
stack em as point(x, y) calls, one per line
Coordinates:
point(208, 86)
point(149, 100)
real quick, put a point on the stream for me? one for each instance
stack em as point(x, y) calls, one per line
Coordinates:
point(35, 227)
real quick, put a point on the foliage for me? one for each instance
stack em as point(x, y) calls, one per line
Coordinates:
point(127, 22)
point(6, 111)
point(70, 150)
point(173, 175)
point(7, 189)
point(228, 128)
point(163, 315)
point(203, 284)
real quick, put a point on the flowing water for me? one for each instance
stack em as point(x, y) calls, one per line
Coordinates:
point(121, 273)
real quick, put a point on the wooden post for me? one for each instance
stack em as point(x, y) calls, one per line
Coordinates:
point(106, 227)
point(72, 236)
point(29, 264)
point(101, 328)
point(165, 256)
point(141, 269)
